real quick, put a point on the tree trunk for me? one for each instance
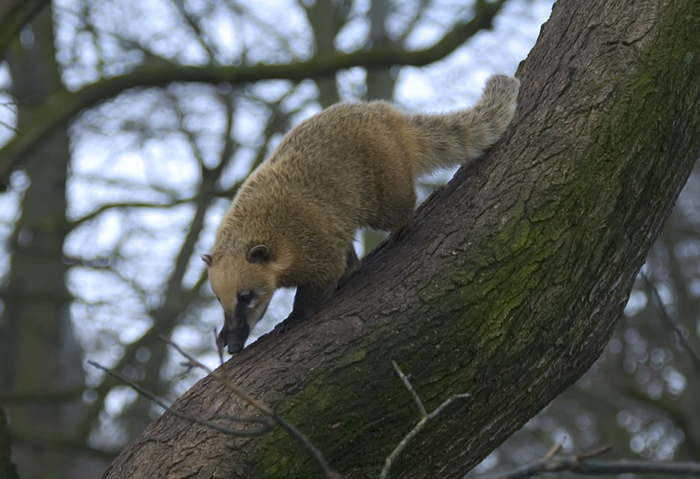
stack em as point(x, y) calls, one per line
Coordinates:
point(506, 285)
point(35, 322)
point(7, 467)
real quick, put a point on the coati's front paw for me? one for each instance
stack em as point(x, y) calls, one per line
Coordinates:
point(343, 281)
point(292, 320)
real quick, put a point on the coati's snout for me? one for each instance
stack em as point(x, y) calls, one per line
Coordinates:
point(244, 285)
point(234, 333)
point(249, 308)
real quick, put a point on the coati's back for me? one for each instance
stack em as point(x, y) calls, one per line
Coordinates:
point(351, 165)
point(355, 159)
point(360, 160)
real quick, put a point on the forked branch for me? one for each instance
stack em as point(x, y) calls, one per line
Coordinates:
point(425, 417)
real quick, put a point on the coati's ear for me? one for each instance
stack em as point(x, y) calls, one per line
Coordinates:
point(206, 258)
point(259, 254)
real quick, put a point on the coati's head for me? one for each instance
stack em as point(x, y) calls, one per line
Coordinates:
point(244, 285)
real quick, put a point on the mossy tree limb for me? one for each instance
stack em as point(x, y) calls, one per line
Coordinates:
point(506, 285)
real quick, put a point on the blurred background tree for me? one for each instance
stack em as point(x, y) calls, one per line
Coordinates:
point(103, 219)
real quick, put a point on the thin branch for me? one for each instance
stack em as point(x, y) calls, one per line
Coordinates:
point(245, 14)
point(9, 127)
point(199, 34)
point(10, 105)
point(552, 463)
point(414, 394)
point(425, 417)
point(315, 453)
point(124, 184)
point(164, 316)
point(13, 16)
point(43, 397)
point(670, 323)
point(163, 322)
point(596, 468)
point(424, 5)
point(61, 443)
point(65, 105)
point(265, 425)
point(581, 464)
point(129, 205)
point(554, 450)
point(230, 385)
point(219, 346)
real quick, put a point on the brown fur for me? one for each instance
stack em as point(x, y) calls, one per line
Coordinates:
point(352, 165)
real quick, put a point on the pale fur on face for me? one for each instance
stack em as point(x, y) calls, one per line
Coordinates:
point(231, 276)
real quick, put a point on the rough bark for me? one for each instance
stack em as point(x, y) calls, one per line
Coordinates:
point(506, 285)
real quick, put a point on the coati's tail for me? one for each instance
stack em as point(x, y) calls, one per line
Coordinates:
point(450, 139)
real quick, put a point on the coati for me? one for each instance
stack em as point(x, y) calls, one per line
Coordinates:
point(294, 220)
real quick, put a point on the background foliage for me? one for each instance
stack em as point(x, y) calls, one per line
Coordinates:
point(103, 222)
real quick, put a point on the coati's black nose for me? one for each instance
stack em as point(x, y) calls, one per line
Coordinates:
point(235, 345)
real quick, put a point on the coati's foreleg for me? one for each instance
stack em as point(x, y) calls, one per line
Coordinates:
point(352, 264)
point(307, 301)
point(310, 298)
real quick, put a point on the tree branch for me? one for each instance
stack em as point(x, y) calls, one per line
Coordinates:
point(581, 464)
point(670, 323)
point(165, 316)
point(264, 425)
point(596, 468)
point(64, 105)
point(62, 443)
point(425, 417)
point(14, 14)
point(315, 453)
point(43, 397)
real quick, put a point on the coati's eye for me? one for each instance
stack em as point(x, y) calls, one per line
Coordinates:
point(245, 297)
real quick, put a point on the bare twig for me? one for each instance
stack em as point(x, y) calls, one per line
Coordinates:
point(581, 464)
point(315, 453)
point(219, 346)
point(552, 463)
point(193, 362)
point(130, 205)
point(670, 323)
point(597, 468)
point(264, 422)
point(43, 397)
point(201, 36)
point(10, 105)
point(425, 417)
point(9, 127)
point(554, 450)
point(406, 382)
point(157, 73)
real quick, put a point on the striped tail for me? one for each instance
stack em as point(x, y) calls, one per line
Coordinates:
point(443, 140)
